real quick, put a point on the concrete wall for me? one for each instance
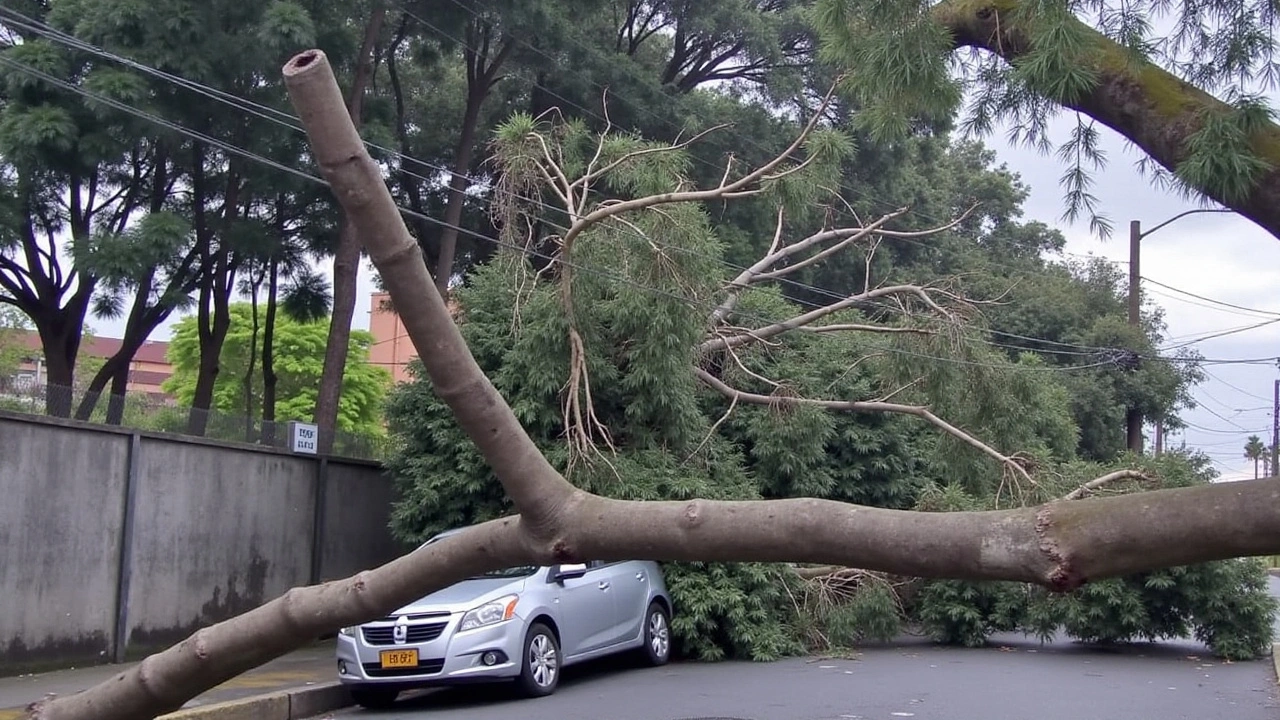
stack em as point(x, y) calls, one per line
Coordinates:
point(113, 544)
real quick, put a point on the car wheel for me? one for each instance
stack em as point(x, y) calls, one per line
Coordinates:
point(657, 634)
point(540, 671)
point(375, 698)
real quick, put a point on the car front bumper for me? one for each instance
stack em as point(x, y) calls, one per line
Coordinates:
point(452, 658)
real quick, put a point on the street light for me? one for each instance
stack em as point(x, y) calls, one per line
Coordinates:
point(1133, 418)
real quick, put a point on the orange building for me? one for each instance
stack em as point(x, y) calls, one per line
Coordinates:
point(148, 370)
point(392, 349)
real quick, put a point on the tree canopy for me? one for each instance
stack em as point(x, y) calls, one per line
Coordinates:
point(1183, 82)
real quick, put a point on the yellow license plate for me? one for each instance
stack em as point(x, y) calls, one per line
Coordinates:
point(399, 658)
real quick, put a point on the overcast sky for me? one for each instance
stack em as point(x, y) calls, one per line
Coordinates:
point(1221, 257)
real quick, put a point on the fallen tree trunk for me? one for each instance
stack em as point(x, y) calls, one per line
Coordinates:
point(1059, 545)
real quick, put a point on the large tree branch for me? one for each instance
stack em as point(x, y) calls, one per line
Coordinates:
point(917, 291)
point(531, 481)
point(1153, 108)
point(1096, 484)
point(724, 190)
point(1060, 545)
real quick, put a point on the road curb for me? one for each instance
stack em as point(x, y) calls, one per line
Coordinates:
point(293, 704)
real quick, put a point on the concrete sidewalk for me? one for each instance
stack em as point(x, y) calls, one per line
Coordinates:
point(311, 667)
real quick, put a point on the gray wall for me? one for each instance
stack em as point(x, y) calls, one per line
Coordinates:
point(115, 543)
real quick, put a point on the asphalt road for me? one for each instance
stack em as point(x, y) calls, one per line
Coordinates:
point(1019, 680)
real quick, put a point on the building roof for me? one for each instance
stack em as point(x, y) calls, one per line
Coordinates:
point(152, 351)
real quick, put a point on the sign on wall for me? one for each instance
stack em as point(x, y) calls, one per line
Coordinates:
point(303, 437)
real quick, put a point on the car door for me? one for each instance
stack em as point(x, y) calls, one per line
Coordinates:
point(629, 582)
point(587, 613)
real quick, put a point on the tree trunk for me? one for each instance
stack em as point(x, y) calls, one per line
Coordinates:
point(249, 435)
point(60, 326)
point(1151, 107)
point(269, 378)
point(213, 322)
point(458, 184)
point(481, 76)
point(118, 397)
point(346, 264)
point(60, 335)
point(410, 180)
point(117, 365)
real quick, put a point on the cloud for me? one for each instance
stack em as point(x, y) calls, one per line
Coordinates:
point(1221, 257)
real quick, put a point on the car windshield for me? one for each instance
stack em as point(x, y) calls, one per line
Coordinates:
point(518, 571)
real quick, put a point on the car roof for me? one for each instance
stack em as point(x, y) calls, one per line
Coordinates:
point(442, 535)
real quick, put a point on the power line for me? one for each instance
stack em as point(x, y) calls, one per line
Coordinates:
point(288, 120)
point(247, 154)
point(253, 108)
point(1240, 390)
point(1180, 291)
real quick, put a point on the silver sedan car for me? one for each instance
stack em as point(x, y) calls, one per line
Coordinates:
point(521, 624)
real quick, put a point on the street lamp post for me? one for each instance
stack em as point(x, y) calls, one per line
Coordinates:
point(1133, 419)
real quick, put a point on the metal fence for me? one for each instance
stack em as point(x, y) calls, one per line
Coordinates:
point(140, 411)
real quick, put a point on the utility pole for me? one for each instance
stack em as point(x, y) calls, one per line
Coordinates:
point(1133, 419)
point(1160, 436)
point(1275, 432)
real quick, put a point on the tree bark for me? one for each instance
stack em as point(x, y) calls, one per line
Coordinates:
point(213, 316)
point(269, 377)
point(60, 336)
point(37, 288)
point(247, 381)
point(481, 76)
point(1060, 545)
point(346, 264)
point(1151, 107)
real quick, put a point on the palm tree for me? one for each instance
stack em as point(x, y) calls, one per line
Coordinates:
point(1254, 450)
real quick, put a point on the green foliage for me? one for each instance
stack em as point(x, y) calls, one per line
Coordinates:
point(958, 612)
point(1226, 604)
point(728, 610)
point(299, 359)
point(640, 305)
point(902, 67)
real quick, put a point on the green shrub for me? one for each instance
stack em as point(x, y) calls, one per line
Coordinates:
point(959, 612)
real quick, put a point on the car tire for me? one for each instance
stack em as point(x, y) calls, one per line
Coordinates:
point(657, 635)
point(541, 665)
point(374, 698)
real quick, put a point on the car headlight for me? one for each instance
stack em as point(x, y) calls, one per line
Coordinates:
point(495, 611)
point(348, 631)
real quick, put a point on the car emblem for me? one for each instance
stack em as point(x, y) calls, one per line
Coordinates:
point(401, 631)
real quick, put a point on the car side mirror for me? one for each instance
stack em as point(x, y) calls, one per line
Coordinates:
point(569, 571)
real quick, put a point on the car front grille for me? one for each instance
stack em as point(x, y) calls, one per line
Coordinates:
point(414, 616)
point(415, 634)
point(425, 667)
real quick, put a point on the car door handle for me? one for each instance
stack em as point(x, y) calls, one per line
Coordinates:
point(639, 576)
point(603, 586)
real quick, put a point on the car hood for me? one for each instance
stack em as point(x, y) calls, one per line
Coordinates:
point(464, 595)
